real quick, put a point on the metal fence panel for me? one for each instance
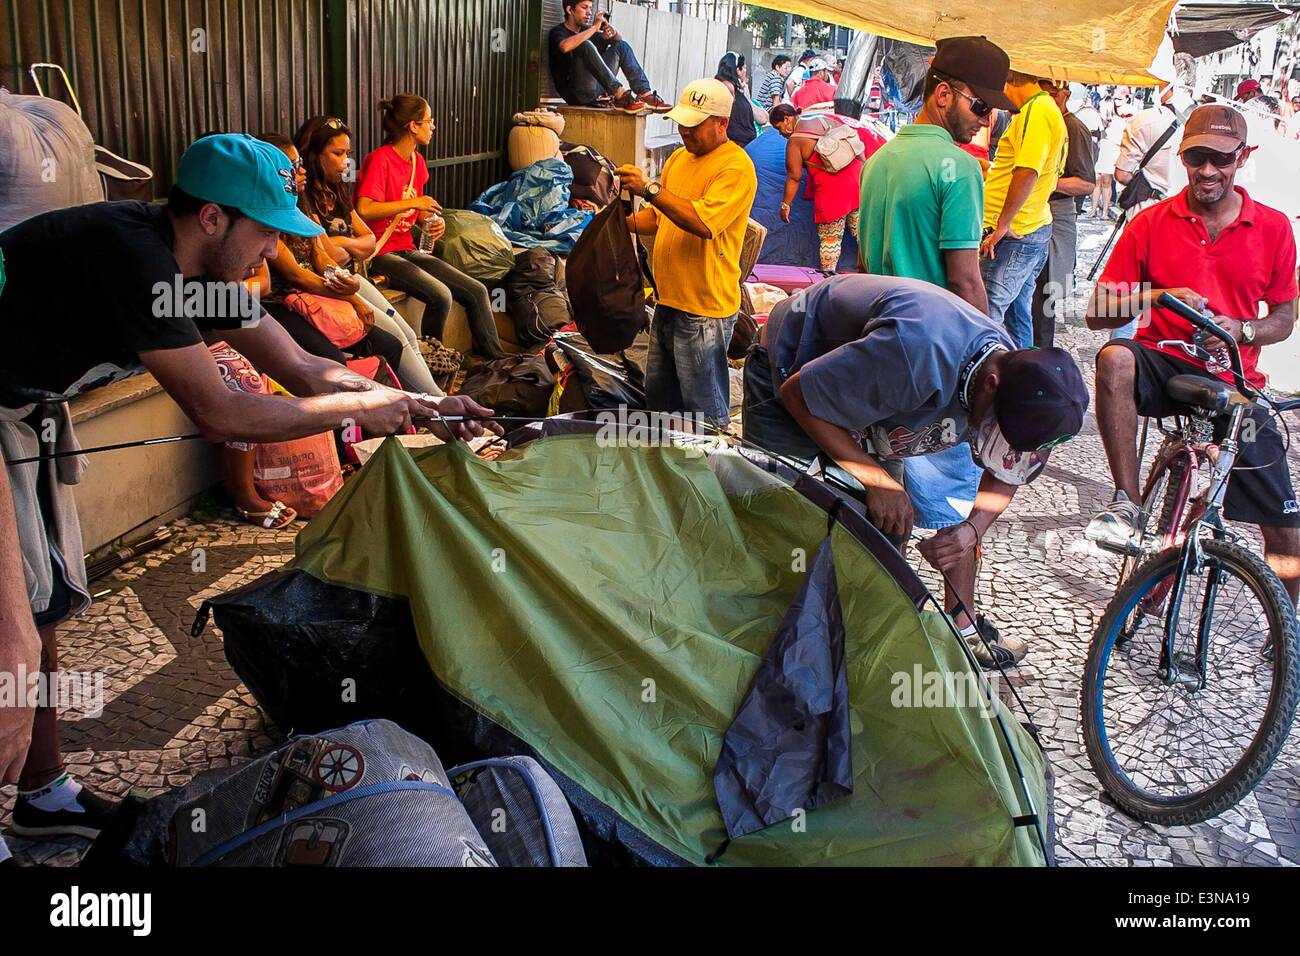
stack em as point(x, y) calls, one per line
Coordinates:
point(151, 75)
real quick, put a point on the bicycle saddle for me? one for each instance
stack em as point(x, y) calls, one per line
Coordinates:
point(1198, 392)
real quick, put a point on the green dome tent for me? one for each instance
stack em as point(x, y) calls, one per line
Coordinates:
point(610, 608)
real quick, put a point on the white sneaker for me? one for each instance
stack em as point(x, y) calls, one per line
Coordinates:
point(1119, 527)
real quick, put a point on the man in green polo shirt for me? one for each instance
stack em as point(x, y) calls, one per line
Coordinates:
point(921, 209)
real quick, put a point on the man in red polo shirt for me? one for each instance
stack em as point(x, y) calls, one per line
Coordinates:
point(1215, 248)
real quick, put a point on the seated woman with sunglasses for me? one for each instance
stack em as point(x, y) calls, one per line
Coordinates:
point(325, 145)
point(834, 193)
point(306, 265)
point(389, 198)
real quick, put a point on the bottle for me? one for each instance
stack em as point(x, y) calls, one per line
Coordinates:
point(426, 236)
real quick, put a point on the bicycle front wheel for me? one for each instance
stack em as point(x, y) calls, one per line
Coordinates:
point(1172, 746)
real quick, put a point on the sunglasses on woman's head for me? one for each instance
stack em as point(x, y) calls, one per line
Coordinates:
point(977, 105)
point(332, 123)
point(1198, 156)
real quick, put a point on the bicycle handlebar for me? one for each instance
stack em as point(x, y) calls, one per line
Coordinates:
point(1167, 301)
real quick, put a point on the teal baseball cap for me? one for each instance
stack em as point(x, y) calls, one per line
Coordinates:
point(234, 169)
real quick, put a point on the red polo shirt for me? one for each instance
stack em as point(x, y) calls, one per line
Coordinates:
point(1252, 261)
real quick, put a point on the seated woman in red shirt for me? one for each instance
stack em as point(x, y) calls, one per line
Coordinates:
point(300, 265)
point(389, 197)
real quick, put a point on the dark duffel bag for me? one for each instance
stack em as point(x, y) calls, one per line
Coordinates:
point(517, 385)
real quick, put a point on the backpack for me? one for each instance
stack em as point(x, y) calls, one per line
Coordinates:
point(537, 306)
point(368, 794)
point(605, 282)
point(593, 174)
point(837, 148)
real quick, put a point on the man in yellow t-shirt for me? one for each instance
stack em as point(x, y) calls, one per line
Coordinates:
point(1017, 217)
point(698, 210)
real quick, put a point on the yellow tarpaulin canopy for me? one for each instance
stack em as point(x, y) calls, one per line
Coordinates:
point(1088, 41)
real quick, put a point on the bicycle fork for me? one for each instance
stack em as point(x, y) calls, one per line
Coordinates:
point(1181, 668)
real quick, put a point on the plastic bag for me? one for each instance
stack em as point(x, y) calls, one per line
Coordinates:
point(475, 245)
point(47, 160)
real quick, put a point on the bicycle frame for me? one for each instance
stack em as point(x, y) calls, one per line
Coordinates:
point(1191, 560)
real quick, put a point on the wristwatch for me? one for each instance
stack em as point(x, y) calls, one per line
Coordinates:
point(652, 189)
point(1247, 332)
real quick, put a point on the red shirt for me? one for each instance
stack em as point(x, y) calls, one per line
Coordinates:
point(814, 91)
point(386, 177)
point(1253, 260)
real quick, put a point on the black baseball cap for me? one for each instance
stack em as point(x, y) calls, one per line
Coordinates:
point(980, 64)
point(1041, 398)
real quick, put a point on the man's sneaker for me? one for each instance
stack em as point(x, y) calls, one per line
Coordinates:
point(1000, 651)
point(1119, 527)
point(30, 821)
point(628, 103)
point(653, 103)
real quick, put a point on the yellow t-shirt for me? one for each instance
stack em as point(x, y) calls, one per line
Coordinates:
point(1036, 139)
point(702, 276)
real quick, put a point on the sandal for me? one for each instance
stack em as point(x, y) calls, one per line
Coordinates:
point(280, 516)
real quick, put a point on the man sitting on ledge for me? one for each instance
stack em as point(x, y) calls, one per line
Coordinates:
point(586, 60)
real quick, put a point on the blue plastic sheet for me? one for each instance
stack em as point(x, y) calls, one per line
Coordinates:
point(532, 207)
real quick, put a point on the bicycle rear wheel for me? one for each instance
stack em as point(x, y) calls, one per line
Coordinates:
point(1180, 753)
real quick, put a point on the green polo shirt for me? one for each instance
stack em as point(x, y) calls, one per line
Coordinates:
point(921, 194)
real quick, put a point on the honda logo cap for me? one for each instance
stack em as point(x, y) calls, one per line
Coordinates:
point(1216, 127)
point(234, 169)
point(980, 64)
point(699, 101)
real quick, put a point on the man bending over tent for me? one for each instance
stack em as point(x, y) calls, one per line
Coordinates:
point(859, 371)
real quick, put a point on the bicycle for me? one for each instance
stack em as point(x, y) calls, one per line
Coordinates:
point(1187, 697)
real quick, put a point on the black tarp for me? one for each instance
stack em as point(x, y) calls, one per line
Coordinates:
point(1199, 29)
point(788, 747)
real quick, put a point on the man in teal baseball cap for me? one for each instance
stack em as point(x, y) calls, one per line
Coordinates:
point(96, 292)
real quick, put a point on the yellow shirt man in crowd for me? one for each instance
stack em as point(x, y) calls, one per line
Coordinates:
point(1017, 217)
point(698, 210)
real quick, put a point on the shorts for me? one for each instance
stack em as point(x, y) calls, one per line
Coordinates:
point(1261, 496)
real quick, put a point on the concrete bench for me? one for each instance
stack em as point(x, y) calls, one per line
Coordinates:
point(126, 494)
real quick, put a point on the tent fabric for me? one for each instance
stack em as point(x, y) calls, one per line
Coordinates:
point(1199, 29)
point(1085, 41)
point(610, 604)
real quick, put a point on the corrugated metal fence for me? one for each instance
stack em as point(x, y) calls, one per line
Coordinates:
point(151, 75)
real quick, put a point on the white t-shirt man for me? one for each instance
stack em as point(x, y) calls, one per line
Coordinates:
point(1164, 172)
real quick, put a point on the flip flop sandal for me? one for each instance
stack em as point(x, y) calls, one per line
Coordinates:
point(280, 516)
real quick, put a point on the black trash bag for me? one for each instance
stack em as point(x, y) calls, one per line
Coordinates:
point(537, 306)
point(606, 283)
point(607, 381)
point(293, 640)
point(788, 747)
point(518, 385)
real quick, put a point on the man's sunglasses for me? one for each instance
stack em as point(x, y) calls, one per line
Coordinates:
point(977, 105)
point(1198, 156)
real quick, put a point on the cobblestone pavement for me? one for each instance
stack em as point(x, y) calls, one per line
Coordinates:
point(174, 708)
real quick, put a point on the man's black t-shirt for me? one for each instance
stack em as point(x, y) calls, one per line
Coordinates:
point(88, 288)
point(1080, 157)
point(563, 65)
